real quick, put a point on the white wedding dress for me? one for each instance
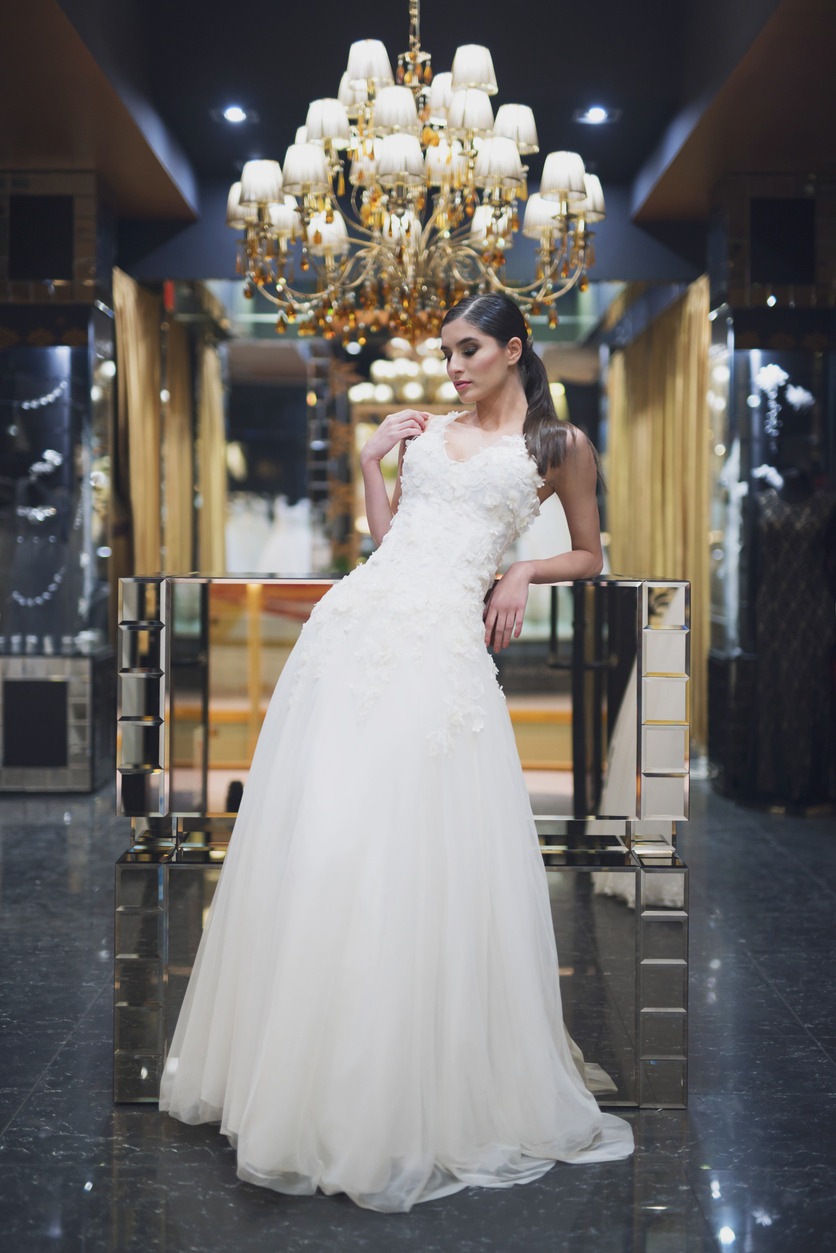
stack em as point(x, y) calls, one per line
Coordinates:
point(375, 1006)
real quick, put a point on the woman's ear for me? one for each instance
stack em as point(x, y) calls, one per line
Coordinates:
point(514, 350)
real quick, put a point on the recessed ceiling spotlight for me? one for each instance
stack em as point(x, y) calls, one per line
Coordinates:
point(235, 114)
point(596, 115)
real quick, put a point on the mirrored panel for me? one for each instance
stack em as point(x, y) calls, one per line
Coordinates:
point(595, 933)
point(228, 641)
point(199, 663)
point(605, 698)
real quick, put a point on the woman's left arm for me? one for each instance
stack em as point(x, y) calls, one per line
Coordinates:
point(574, 482)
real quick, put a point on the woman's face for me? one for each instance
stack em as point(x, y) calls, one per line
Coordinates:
point(477, 363)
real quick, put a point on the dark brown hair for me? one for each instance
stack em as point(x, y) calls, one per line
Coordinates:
point(546, 435)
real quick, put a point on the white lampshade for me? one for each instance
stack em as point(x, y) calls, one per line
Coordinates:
point(368, 62)
point(516, 121)
point(541, 217)
point(261, 182)
point(305, 170)
point(364, 166)
point(469, 114)
point(301, 136)
point(473, 67)
point(498, 164)
point(485, 229)
point(333, 237)
point(236, 214)
point(592, 206)
point(395, 112)
point(327, 119)
point(351, 97)
point(283, 218)
point(400, 161)
point(563, 177)
point(446, 164)
point(441, 93)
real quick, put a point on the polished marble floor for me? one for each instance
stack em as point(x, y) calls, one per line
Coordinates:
point(748, 1168)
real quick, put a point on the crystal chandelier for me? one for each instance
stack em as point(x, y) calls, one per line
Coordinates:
point(434, 186)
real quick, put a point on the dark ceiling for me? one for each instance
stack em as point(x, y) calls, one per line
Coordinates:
point(276, 57)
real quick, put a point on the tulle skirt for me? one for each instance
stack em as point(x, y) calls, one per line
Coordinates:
point(375, 1006)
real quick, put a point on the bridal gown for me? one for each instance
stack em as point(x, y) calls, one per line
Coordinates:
point(375, 1006)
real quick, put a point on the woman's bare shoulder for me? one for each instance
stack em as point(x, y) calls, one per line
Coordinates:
point(580, 462)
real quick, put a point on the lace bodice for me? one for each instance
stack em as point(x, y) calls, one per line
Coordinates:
point(434, 566)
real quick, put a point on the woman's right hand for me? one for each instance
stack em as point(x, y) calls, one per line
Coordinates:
point(405, 424)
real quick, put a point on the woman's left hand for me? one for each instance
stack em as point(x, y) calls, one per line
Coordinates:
point(503, 615)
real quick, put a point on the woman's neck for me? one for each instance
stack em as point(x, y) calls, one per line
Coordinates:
point(505, 407)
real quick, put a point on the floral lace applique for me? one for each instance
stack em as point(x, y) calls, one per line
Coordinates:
point(429, 577)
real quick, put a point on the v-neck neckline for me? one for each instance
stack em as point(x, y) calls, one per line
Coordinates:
point(456, 461)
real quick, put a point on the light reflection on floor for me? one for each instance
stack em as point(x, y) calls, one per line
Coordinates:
point(748, 1167)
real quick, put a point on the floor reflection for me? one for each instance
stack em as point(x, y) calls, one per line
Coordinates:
point(746, 1168)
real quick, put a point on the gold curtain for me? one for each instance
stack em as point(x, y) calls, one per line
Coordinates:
point(137, 314)
point(657, 465)
point(211, 457)
point(178, 453)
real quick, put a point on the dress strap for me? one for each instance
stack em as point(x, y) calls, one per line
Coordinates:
point(441, 421)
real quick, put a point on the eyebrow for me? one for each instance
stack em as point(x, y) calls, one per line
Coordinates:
point(468, 339)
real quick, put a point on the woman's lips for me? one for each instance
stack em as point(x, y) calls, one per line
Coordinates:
point(459, 386)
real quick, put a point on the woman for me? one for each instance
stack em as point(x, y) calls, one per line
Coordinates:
point(375, 1006)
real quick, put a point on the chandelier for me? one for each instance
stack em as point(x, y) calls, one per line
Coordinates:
point(431, 208)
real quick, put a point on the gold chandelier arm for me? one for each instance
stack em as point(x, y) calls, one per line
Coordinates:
point(356, 219)
point(541, 297)
point(302, 303)
point(540, 285)
point(439, 208)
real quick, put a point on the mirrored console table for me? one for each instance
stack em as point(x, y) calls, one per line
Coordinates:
point(198, 658)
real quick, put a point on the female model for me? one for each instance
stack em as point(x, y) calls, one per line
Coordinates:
point(375, 1006)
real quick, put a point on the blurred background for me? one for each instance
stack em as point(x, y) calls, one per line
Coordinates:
point(151, 418)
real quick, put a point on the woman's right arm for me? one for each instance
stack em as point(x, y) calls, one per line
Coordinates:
point(397, 427)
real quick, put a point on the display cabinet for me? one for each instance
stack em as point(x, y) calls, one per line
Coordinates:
point(198, 659)
point(772, 400)
point(57, 675)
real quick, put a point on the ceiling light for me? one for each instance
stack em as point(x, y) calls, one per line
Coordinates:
point(436, 185)
point(353, 348)
point(596, 115)
point(235, 114)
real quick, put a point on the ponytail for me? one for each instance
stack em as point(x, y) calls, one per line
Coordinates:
point(544, 432)
point(546, 435)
